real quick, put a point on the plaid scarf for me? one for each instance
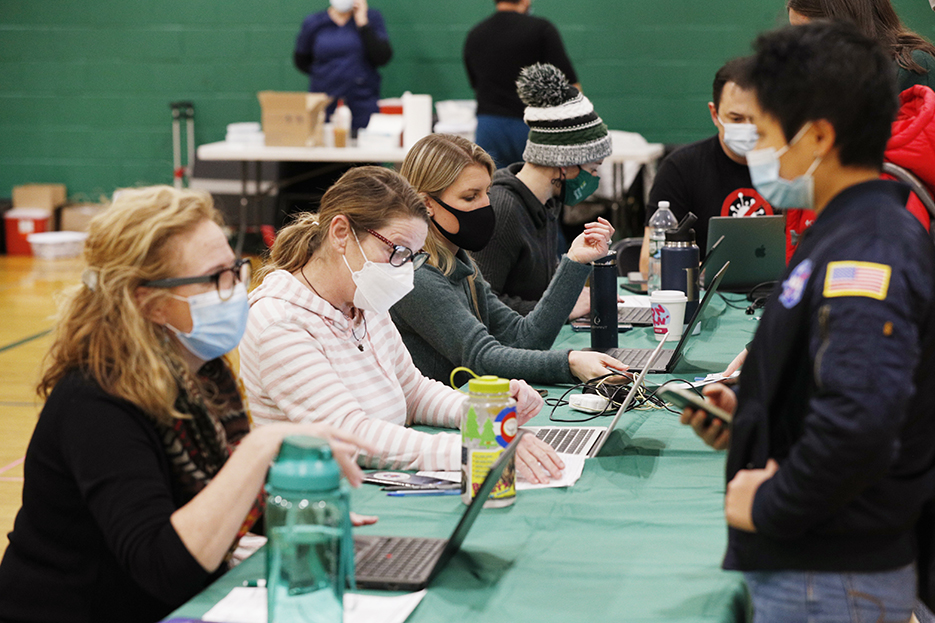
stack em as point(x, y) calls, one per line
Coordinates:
point(199, 446)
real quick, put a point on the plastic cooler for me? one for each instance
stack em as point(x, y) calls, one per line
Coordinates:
point(20, 222)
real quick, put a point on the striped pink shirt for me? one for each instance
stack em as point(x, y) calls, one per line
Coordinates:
point(300, 361)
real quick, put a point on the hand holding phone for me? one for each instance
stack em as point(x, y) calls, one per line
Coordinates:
point(683, 398)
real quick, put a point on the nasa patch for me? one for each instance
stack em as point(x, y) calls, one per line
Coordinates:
point(794, 287)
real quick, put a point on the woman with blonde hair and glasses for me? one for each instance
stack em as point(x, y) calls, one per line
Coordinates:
point(142, 471)
point(320, 345)
point(452, 318)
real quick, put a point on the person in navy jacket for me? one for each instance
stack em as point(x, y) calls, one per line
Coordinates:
point(340, 49)
point(832, 447)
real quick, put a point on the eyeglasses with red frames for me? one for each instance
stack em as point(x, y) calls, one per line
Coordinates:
point(401, 254)
point(225, 280)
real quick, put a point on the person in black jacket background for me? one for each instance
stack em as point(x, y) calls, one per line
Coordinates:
point(832, 448)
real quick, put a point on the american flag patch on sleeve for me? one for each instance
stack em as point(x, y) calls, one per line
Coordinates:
point(857, 279)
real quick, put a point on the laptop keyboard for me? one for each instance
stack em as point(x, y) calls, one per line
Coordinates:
point(397, 556)
point(635, 315)
point(566, 438)
point(636, 358)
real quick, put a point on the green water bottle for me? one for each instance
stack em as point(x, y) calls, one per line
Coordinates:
point(310, 552)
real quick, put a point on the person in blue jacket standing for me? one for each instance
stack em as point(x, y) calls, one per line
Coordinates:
point(831, 463)
point(340, 49)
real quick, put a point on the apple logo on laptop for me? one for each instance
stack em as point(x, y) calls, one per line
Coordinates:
point(760, 251)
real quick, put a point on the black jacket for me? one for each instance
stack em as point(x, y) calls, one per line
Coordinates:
point(839, 388)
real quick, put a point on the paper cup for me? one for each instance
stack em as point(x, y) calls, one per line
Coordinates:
point(668, 313)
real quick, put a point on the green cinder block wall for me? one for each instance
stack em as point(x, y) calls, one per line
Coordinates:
point(85, 85)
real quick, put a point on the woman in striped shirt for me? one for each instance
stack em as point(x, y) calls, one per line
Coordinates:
point(320, 345)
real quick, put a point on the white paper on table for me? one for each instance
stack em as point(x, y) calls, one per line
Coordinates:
point(633, 300)
point(574, 464)
point(716, 377)
point(248, 605)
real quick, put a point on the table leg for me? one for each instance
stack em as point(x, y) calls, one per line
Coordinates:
point(242, 229)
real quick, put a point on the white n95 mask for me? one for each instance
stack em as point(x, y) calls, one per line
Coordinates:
point(380, 286)
point(342, 6)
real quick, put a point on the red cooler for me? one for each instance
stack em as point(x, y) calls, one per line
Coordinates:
point(20, 222)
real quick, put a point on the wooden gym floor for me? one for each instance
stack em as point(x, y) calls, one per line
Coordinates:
point(27, 303)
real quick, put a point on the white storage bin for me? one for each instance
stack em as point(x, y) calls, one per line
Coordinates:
point(54, 245)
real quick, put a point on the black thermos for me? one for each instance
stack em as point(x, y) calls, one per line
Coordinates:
point(604, 303)
point(680, 263)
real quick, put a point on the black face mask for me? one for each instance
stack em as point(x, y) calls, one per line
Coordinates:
point(475, 228)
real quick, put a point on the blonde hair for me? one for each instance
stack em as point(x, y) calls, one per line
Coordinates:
point(368, 196)
point(102, 330)
point(431, 166)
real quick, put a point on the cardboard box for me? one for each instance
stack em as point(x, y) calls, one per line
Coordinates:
point(293, 119)
point(76, 217)
point(45, 196)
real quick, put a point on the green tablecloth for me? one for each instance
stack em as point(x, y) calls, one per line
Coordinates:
point(640, 537)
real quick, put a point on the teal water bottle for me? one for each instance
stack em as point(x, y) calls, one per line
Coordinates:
point(310, 552)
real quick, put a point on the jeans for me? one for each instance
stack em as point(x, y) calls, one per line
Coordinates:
point(504, 138)
point(813, 597)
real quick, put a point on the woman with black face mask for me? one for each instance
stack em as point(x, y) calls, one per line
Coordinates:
point(451, 318)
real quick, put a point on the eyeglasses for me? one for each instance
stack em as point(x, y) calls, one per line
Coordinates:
point(224, 280)
point(401, 254)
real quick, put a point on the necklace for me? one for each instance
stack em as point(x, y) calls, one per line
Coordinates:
point(350, 318)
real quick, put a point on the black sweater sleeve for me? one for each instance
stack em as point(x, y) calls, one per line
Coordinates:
point(303, 61)
point(122, 475)
point(378, 50)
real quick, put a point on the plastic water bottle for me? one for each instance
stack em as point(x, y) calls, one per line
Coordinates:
point(310, 553)
point(661, 220)
point(487, 428)
point(604, 303)
point(680, 262)
point(341, 120)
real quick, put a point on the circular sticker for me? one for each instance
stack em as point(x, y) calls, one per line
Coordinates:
point(395, 476)
point(505, 426)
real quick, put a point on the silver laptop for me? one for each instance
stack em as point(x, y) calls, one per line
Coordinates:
point(755, 246)
point(409, 563)
point(638, 358)
point(588, 440)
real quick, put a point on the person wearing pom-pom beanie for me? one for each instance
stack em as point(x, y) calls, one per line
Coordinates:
point(567, 141)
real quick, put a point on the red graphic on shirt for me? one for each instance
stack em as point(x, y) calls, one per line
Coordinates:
point(745, 202)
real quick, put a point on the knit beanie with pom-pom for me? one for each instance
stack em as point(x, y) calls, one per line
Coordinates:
point(564, 130)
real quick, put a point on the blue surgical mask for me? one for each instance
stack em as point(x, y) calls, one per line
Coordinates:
point(580, 188)
point(217, 325)
point(778, 191)
point(740, 138)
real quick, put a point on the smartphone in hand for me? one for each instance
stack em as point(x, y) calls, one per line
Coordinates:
point(683, 398)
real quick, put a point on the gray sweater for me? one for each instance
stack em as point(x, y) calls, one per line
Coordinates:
point(523, 254)
point(439, 326)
